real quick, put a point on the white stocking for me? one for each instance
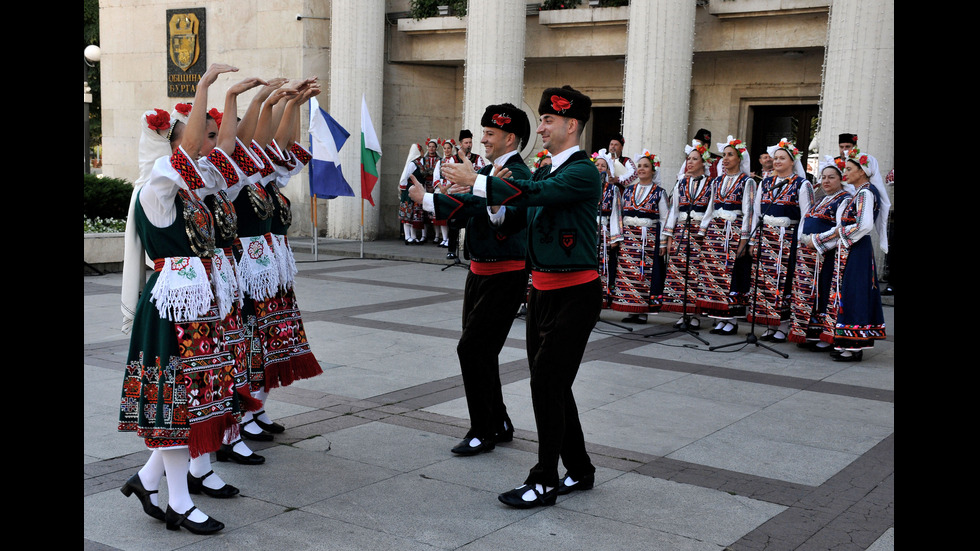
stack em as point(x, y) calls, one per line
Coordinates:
point(151, 473)
point(176, 462)
point(200, 466)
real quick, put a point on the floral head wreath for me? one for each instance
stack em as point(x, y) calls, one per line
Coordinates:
point(449, 141)
point(788, 147)
point(830, 162)
point(540, 156)
point(654, 160)
point(216, 115)
point(735, 144)
point(862, 159)
point(701, 148)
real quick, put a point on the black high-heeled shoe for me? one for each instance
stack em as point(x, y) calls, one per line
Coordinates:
point(227, 453)
point(196, 485)
point(274, 428)
point(175, 521)
point(135, 485)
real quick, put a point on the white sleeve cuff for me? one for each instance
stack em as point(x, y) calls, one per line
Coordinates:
point(497, 218)
point(428, 204)
point(480, 186)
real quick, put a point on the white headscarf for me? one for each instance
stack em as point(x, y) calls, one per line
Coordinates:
point(829, 161)
point(789, 147)
point(414, 153)
point(152, 146)
point(706, 157)
point(605, 156)
point(744, 163)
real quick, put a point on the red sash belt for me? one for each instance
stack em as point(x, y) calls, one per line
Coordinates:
point(494, 268)
point(548, 281)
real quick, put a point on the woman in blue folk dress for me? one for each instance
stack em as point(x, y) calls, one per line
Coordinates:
point(860, 321)
point(811, 321)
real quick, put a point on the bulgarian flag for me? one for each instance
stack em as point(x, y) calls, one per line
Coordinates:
point(370, 154)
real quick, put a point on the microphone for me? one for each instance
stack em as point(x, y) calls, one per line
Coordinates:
point(779, 185)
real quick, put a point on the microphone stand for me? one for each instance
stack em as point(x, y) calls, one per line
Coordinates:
point(456, 262)
point(750, 338)
point(685, 326)
point(610, 277)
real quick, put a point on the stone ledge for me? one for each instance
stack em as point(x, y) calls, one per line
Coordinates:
point(586, 17)
point(758, 8)
point(433, 25)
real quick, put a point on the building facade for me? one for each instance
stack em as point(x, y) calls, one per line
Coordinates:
point(656, 70)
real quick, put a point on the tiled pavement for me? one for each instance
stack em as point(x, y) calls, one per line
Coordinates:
point(697, 449)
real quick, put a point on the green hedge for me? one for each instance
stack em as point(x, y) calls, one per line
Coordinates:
point(106, 197)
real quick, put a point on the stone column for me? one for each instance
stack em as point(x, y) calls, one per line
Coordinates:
point(859, 79)
point(494, 66)
point(859, 85)
point(356, 68)
point(657, 91)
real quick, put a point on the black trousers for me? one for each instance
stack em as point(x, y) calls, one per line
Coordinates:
point(558, 326)
point(490, 305)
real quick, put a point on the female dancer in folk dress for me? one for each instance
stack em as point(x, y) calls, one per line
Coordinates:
point(279, 352)
point(610, 210)
point(781, 200)
point(640, 276)
point(689, 203)
point(860, 321)
point(439, 185)
point(811, 322)
point(726, 264)
point(288, 357)
point(176, 393)
point(410, 212)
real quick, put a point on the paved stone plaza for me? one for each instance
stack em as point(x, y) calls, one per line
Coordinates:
point(736, 448)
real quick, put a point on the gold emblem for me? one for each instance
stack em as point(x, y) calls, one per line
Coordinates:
point(184, 45)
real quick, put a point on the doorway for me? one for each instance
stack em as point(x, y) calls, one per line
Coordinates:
point(770, 123)
point(605, 124)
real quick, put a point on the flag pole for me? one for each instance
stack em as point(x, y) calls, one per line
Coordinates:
point(315, 232)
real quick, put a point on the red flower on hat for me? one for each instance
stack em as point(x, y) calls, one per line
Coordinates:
point(559, 103)
point(183, 108)
point(160, 120)
point(500, 119)
point(216, 115)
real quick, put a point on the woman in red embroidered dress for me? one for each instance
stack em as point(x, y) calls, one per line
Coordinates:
point(727, 266)
point(174, 394)
point(691, 198)
point(782, 200)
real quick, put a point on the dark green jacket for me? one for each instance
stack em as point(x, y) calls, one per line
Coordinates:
point(483, 242)
point(559, 211)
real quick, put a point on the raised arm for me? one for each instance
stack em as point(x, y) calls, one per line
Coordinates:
point(228, 131)
point(268, 119)
point(289, 127)
point(193, 136)
point(249, 122)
